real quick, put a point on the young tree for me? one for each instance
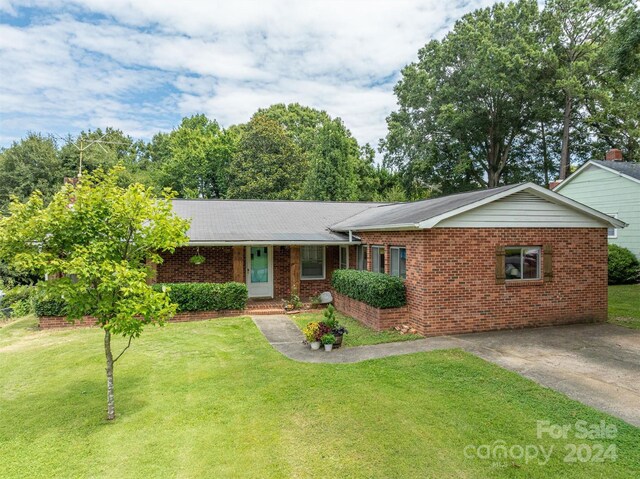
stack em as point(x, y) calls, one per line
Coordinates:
point(467, 100)
point(94, 240)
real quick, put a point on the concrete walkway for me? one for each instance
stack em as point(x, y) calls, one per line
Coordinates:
point(596, 364)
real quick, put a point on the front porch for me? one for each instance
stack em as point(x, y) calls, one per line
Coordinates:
point(271, 271)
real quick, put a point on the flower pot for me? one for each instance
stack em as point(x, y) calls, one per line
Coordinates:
point(338, 342)
point(328, 347)
point(315, 345)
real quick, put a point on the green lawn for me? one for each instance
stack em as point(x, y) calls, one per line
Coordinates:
point(214, 399)
point(359, 335)
point(624, 305)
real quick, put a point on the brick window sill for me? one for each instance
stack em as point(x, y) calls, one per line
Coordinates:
point(523, 282)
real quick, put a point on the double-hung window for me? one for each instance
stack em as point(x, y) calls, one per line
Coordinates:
point(522, 262)
point(312, 262)
point(612, 232)
point(377, 259)
point(362, 257)
point(344, 257)
point(398, 261)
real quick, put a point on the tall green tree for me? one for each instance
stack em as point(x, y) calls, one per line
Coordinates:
point(28, 165)
point(93, 241)
point(267, 163)
point(468, 99)
point(578, 32)
point(332, 175)
point(194, 158)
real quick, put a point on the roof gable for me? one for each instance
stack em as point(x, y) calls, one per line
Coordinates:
point(432, 213)
point(626, 169)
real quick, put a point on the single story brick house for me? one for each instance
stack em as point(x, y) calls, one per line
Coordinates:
point(507, 257)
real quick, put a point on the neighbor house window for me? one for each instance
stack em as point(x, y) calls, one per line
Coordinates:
point(377, 259)
point(362, 257)
point(312, 262)
point(522, 262)
point(612, 232)
point(398, 261)
point(344, 257)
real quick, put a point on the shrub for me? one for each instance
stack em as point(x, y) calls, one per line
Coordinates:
point(624, 267)
point(310, 331)
point(49, 306)
point(206, 296)
point(20, 299)
point(376, 289)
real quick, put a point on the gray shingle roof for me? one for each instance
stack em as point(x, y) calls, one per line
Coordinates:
point(261, 220)
point(626, 167)
point(406, 214)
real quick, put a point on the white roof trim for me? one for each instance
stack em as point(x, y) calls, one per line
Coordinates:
point(531, 187)
point(591, 163)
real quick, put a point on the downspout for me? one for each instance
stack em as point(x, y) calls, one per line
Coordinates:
point(350, 236)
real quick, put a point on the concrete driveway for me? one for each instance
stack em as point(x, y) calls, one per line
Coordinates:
point(596, 364)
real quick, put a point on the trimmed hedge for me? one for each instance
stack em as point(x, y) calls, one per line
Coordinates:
point(624, 267)
point(206, 296)
point(47, 306)
point(375, 289)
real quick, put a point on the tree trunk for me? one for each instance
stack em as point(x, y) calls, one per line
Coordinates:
point(564, 156)
point(111, 407)
point(545, 155)
point(494, 178)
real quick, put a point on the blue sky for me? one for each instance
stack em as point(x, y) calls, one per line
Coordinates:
point(141, 65)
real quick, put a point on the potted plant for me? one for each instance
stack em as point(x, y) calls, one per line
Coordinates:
point(336, 328)
point(197, 259)
point(293, 303)
point(328, 340)
point(310, 332)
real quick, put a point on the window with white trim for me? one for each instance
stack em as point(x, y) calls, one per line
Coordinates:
point(312, 262)
point(344, 257)
point(361, 252)
point(612, 232)
point(522, 262)
point(377, 259)
point(398, 261)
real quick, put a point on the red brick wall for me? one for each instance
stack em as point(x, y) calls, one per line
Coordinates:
point(217, 268)
point(375, 318)
point(313, 287)
point(451, 285)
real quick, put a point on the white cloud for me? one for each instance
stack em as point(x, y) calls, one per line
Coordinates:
point(142, 64)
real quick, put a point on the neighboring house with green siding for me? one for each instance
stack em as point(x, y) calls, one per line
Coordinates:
point(612, 187)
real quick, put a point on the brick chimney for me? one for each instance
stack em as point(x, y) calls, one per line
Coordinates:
point(613, 155)
point(553, 184)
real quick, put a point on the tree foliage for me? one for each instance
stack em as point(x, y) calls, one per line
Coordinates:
point(194, 158)
point(93, 240)
point(512, 94)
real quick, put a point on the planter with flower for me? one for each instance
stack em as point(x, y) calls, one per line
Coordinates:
point(328, 340)
point(313, 333)
point(335, 327)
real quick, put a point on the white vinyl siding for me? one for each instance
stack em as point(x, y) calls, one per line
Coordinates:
point(523, 210)
point(312, 262)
